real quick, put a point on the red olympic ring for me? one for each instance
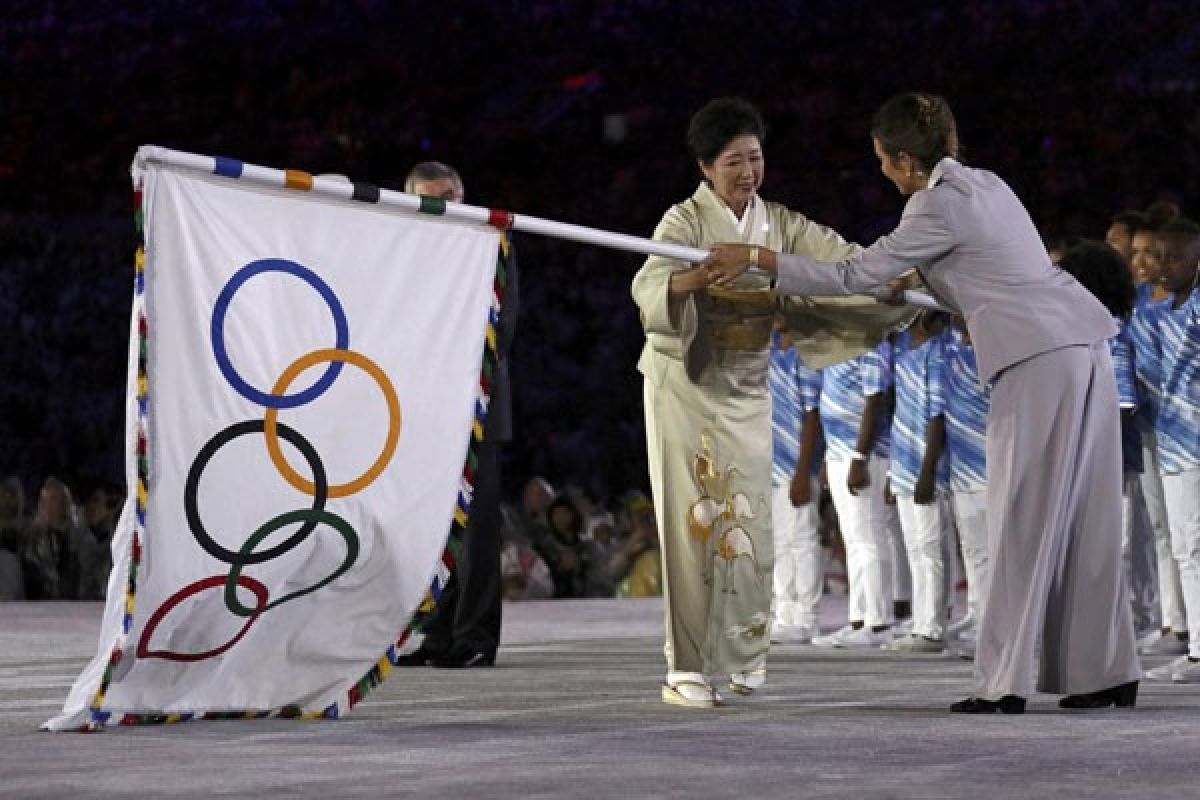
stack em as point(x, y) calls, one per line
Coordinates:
point(245, 581)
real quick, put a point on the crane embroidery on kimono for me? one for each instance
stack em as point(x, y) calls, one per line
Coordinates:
point(719, 513)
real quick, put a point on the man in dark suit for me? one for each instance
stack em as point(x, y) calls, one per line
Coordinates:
point(464, 629)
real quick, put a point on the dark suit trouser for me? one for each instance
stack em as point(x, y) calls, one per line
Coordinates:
point(467, 617)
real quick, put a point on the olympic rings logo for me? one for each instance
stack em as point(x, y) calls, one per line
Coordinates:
point(318, 488)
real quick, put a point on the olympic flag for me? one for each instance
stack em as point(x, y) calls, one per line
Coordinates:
point(304, 390)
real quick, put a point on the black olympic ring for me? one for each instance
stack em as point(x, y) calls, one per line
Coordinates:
point(233, 580)
point(321, 488)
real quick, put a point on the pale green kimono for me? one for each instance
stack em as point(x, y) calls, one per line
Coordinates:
point(708, 426)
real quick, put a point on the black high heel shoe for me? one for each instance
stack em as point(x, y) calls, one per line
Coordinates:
point(1009, 704)
point(1123, 696)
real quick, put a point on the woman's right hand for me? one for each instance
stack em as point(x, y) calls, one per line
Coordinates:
point(858, 477)
point(686, 281)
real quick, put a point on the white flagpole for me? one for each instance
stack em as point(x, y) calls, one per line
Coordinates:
point(411, 203)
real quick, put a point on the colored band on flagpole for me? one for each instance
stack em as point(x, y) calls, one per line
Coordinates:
point(500, 220)
point(227, 167)
point(432, 205)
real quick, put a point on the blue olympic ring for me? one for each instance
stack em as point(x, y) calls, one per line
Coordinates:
point(218, 333)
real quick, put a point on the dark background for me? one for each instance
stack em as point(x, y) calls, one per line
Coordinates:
point(574, 111)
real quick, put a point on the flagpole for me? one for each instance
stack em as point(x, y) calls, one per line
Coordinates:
point(342, 189)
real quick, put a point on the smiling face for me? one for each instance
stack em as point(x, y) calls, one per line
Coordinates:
point(1179, 267)
point(900, 169)
point(737, 171)
point(1145, 256)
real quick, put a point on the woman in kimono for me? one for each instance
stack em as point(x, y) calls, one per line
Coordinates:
point(707, 404)
point(1053, 434)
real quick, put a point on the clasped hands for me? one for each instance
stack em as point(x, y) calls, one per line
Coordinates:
point(727, 261)
point(724, 264)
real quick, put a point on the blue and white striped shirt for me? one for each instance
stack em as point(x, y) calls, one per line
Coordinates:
point(1121, 349)
point(920, 397)
point(967, 406)
point(1178, 425)
point(844, 391)
point(795, 389)
point(1147, 355)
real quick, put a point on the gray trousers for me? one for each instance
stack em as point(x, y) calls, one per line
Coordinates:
point(1054, 530)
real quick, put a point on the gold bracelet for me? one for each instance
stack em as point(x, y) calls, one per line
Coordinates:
point(754, 255)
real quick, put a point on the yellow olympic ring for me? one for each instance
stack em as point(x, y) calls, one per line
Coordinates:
point(394, 421)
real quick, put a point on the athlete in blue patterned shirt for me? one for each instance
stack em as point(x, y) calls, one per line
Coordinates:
point(795, 517)
point(1178, 427)
point(1152, 300)
point(918, 476)
point(966, 438)
point(855, 419)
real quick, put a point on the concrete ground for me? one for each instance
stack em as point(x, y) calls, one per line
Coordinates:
point(572, 710)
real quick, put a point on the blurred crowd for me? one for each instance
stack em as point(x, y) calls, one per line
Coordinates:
point(60, 551)
point(567, 110)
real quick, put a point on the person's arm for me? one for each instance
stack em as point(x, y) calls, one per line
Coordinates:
point(923, 235)
point(800, 491)
point(859, 477)
point(663, 286)
point(1123, 367)
point(935, 443)
point(937, 357)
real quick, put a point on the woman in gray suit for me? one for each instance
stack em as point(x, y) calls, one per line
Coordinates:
point(1053, 437)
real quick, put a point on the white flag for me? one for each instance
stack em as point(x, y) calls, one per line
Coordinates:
point(304, 382)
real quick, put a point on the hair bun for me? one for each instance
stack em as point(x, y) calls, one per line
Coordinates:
point(927, 111)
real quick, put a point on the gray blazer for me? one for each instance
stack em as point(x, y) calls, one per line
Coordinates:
point(981, 256)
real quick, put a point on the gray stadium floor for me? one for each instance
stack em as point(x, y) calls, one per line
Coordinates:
point(572, 710)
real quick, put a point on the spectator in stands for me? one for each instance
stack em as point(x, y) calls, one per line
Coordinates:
point(600, 545)
point(58, 553)
point(12, 533)
point(559, 543)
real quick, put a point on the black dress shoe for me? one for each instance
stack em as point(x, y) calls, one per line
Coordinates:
point(1009, 704)
point(461, 659)
point(421, 657)
point(1123, 696)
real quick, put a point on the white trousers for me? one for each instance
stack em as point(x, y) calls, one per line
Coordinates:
point(799, 561)
point(902, 575)
point(863, 520)
point(1138, 551)
point(931, 562)
point(970, 517)
point(1182, 493)
point(1170, 591)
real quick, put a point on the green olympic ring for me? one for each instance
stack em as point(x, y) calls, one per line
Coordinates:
point(303, 515)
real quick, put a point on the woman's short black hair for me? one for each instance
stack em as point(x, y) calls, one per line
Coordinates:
point(1102, 272)
point(721, 121)
point(919, 124)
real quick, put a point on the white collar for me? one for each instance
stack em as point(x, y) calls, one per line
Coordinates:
point(740, 224)
point(939, 169)
point(754, 224)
